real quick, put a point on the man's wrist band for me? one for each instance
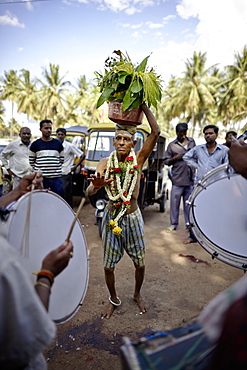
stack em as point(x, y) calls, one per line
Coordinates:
point(43, 285)
point(46, 274)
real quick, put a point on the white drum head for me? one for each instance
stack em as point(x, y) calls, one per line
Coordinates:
point(50, 221)
point(218, 216)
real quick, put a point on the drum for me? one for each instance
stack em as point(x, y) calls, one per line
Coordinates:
point(218, 215)
point(49, 223)
point(181, 349)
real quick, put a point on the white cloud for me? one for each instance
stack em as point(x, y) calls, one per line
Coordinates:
point(168, 18)
point(128, 25)
point(221, 29)
point(154, 25)
point(220, 32)
point(136, 35)
point(170, 59)
point(130, 7)
point(9, 19)
point(29, 5)
point(132, 10)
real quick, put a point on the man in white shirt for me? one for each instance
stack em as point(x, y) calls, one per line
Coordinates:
point(70, 153)
point(25, 327)
point(15, 156)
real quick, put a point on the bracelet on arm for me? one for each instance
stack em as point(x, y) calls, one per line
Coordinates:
point(43, 285)
point(46, 274)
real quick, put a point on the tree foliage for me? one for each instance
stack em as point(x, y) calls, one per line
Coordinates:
point(202, 95)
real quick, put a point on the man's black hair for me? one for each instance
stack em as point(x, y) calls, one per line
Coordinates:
point(215, 128)
point(231, 132)
point(44, 121)
point(61, 129)
point(181, 127)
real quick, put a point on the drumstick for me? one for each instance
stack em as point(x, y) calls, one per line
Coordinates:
point(26, 232)
point(75, 218)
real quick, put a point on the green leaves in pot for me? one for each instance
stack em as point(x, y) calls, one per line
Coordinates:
point(131, 85)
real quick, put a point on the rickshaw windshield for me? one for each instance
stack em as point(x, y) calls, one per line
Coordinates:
point(100, 145)
point(139, 139)
point(78, 141)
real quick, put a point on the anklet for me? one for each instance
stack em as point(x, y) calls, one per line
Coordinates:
point(115, 304)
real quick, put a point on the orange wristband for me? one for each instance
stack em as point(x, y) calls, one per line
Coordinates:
point(47, 274)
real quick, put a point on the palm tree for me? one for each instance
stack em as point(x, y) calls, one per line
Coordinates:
point(53, 93)
point(27, 95)
point(168, 109)
point(2, 112)
point(87, 95)
point(3, 127)
point(9, 90)
point(91, 113)
point(194, 92)
point(72, 113)
point(15, 127)
point(234, 98)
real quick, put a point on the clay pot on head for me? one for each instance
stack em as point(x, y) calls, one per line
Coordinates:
point(132, 117)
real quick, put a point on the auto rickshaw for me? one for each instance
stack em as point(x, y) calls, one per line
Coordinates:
point(153, 178)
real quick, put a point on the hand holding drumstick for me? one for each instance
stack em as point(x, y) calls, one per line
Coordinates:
point(55, 261)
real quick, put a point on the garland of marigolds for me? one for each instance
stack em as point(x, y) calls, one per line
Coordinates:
point(120, 190)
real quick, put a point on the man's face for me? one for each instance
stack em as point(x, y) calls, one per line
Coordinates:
point(210, 135)
point(123, 143)
point(229, 139)
point(181, 135)
point(61, 136)
point(25, 135)
point(46, 130)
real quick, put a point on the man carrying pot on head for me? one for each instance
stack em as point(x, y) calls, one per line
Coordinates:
point(123, 227)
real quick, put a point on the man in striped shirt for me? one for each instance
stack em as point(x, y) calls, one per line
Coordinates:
point(47, 155)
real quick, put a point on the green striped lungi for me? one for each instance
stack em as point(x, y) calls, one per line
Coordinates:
point(131, 239)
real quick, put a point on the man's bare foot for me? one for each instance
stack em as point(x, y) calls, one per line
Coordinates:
point(189, 241)
point(141, 304)
point(108, 311)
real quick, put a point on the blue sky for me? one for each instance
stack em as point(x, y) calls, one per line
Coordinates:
point(80, 35)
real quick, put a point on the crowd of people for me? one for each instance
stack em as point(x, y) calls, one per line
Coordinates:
point(53, 158)
point(47, 163)
point(189, 163)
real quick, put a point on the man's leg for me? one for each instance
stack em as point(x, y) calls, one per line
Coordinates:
point(186, 194)
point(112, 255)
point(176, 194)
point(57, 185)
point(67, 187)
point(110, 282)
point(139, 277)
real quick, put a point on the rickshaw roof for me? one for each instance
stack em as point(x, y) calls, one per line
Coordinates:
point(77, 129)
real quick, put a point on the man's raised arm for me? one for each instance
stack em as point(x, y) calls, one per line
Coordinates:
point(149, 144)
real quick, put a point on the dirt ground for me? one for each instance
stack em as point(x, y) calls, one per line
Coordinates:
point(176, 289)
